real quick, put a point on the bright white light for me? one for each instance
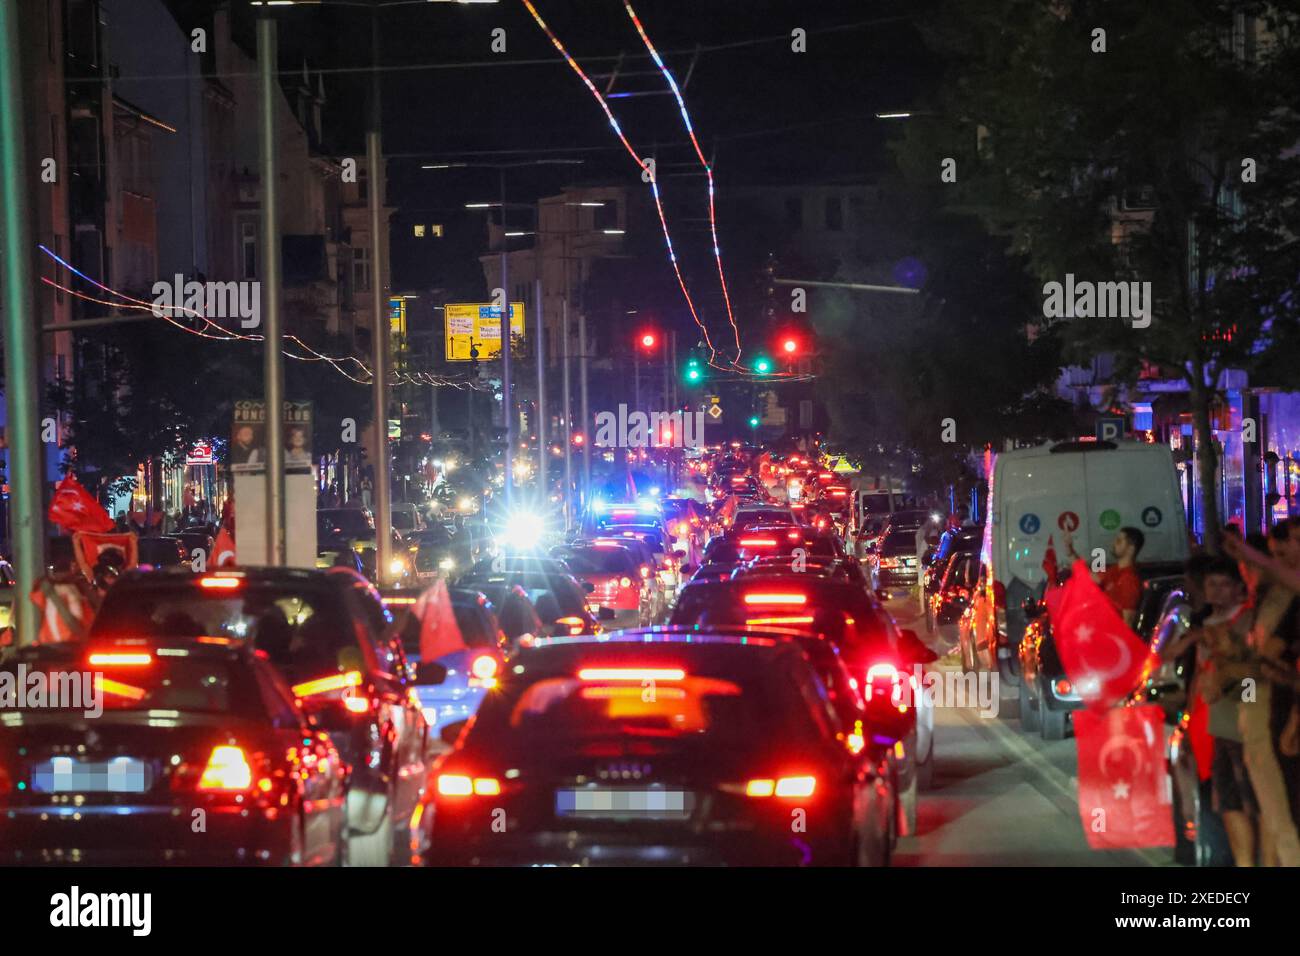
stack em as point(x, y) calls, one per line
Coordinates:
point(446, 564)
point(524, 530)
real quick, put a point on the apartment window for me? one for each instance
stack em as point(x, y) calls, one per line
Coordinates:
point(248, 249)
point(834, 214)
point(418, 230)
point(606, 216)
point(435, 230)
point(361, 268)
point(794, 212)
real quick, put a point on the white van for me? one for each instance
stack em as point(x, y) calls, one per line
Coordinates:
point(1091, 488)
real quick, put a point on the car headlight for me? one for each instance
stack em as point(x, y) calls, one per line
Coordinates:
point(396, 566)
point(446, 564)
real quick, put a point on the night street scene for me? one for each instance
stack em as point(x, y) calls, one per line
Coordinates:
point(446, 434)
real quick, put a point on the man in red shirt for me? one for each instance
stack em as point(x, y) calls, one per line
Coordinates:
point(1120, 580)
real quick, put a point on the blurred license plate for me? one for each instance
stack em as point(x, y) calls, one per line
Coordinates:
point(65, 775)
point(611, 804)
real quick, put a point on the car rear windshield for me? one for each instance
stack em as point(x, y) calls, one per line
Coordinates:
point(899, 542)
point(163, 682)
point(598, 561)
point(600, 706)
point(344, 522)
point(305, 632)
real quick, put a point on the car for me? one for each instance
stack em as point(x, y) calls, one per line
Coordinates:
point(560, 601)
point(162, 552)
point(848, 615)
point(470, 672)
point(328, 633)
point(952, 593)
point(196, 541)
point(735, 736)
point(190, 731)
point(439, 551)
point(406, 517)
point(894, 568)
point(618, 584)
point(1047, 696)
point(755, 514)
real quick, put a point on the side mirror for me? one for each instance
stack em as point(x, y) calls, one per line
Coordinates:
point(914, 649)
point(429, 673)
point(451, 732)
point(606, 614)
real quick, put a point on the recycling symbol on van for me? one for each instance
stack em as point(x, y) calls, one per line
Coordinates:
point(1151, 516)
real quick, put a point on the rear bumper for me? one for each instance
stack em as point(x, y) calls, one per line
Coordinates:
point(143, 836)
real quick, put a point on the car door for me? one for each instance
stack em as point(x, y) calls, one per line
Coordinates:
point(399, 718)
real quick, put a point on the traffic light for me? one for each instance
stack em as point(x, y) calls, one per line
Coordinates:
point(790, 345)
point(762, 365)
point(694, 375)
point(753, 421)
point(648, 340)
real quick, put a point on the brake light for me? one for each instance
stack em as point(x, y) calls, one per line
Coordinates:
point(227, 769)
point(759, 621)
point(772, 598)
point(793, 535)
point(484, 670)
point(226, 584)
point(574, 624)
point(459, 785)
point(107, 659)
point(782, 787)
point(355, 702)
point(890, 562)
point(757, 542)
point(1063, 687)
point(631, 673)
point(324, 685)
point(625, 582)
point(879, 673)
point(645, 571)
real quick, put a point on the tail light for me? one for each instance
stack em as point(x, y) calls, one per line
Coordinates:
point(459, 785)
point(228, 770)
point(879, 674)
point(483, 670)
point(788, 787)
point(576, 625)
point(999, 596)
point(890, 563)
point(120, 659)
point(355, 701)
point(1063, 687)
point(645, 570)
point(625, 582)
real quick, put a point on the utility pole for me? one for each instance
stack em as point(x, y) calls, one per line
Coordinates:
point(26, 489)
point(540, 347)
point(507, 397)
point(586, 416)
point(568, 417)
point(273, 341)
point(380, 333)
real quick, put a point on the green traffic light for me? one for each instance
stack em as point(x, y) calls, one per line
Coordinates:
point(762, 366)
point(693, 374)
point(753, 421)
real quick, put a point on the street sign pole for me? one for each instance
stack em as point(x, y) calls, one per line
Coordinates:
point(273, 361)
point(507, 394)
point(26, 497)
point(540, 348)
point(381, 335)
point(568, 416)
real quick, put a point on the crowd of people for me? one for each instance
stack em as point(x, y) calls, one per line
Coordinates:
point(1242, 647)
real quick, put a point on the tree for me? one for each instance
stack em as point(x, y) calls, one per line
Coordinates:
point(1089, 109)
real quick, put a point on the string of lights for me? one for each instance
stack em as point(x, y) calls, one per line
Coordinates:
point(708, 169)
point(643, 164)
point(230, 335)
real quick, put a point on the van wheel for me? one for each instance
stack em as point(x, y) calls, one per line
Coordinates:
point(1053, 724)
point(1029, 717)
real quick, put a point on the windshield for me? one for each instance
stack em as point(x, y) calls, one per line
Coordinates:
point(344, 522)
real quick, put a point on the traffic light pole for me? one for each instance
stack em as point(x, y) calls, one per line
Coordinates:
point(586, 411)
point(568, 416)
point(540, 347)
point(507, 396)
point(381, 333)
point(26, 498)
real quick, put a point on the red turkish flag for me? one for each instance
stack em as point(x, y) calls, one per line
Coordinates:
point(223, 549)
point(1124, 798)
point(439, 633)
point(75, 509)
point(1102, 656)
point(1049, 564)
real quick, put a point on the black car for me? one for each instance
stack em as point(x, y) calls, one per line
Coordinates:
point(163, 552)
point(952, 593)
point(201, 755)
point(328, 633)
point(572, 761)
point(560, 601)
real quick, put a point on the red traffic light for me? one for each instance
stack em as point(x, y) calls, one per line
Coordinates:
point(789, 346)
point(648, 340)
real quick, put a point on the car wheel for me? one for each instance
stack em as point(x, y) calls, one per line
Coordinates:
point(925, 771)
point(1053, 723)
point(1029, 718)
point(371, 849)
point(909, 806)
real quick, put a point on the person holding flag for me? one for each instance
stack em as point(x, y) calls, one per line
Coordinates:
point(1120, 580)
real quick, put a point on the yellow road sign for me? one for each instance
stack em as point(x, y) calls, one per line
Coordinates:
point(478, 325)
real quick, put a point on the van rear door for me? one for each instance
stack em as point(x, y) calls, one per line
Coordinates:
point(1135, 486)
